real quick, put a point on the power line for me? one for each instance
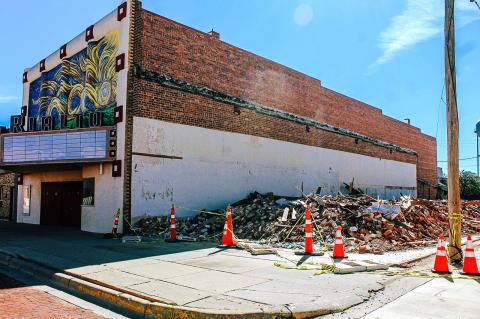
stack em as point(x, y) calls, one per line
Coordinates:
point(476, 2)
point(460, 159)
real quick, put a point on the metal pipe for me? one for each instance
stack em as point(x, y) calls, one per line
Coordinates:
point(478, 166)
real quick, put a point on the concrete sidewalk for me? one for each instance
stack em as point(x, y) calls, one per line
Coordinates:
point(194, 277)
point(438, 298)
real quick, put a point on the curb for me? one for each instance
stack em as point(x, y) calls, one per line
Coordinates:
point(143, 306)
point(406, 264)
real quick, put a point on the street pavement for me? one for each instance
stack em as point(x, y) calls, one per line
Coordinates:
point(33, 301)
point(193, 275)
point(438, 298)
point(416, 293)
point(205, 278)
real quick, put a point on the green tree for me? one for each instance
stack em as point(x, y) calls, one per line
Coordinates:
point(469, 185)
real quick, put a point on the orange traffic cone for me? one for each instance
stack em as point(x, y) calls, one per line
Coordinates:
point(173, 229)
point(441, 264)
point(308, 232)
point(115, 224)
point(227, 236)
point(308, 235)
point(338, 250)
point(469, 261)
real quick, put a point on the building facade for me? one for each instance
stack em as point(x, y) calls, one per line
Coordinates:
point(139, 112)
point(7, 194)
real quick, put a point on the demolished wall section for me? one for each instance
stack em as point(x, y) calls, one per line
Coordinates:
point(162, 103)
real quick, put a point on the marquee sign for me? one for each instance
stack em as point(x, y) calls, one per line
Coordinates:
point(58, 146)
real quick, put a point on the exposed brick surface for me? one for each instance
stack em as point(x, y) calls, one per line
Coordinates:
point(6, 182)
point(19, 301)
point(162, 103)
point(184, 53)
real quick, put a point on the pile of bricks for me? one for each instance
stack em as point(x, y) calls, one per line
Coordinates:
point(368, 225)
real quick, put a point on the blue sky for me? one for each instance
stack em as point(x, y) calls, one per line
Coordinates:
point(386, 53)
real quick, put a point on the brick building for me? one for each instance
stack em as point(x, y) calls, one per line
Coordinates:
point(7, 194)
point(138, 112)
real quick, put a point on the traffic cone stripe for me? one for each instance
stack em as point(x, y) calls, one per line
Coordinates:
point(172, 226)
point(470, 254)
point(308, 222)
point(441, 253)
point(308, 235)
point(338, 242)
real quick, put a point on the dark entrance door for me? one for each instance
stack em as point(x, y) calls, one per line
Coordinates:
point(61, 204)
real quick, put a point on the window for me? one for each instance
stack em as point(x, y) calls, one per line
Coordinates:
point(27, 192)
point(89, 192)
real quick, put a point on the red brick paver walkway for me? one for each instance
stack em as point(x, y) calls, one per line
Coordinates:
point(18, 301)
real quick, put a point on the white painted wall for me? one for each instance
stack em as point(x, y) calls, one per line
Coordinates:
point(108, 198)
point(220, 167)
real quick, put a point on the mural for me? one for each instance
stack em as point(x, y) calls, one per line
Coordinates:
point(81, 84)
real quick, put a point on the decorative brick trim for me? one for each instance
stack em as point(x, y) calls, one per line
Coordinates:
point(117, 168)
point(118, 114)
point(173, 83)
point(134, 54)
point(120, 62)
point(42, 65)
point(89, 33)
point(19, 178)
point(121, 11)
point(63, 51)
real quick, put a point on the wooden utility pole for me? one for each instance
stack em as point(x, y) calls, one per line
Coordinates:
point(454, 209)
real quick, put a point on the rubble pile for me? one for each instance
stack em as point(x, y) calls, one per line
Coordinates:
point(368, 225)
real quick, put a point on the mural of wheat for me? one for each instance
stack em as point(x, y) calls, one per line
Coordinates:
point(81, 84)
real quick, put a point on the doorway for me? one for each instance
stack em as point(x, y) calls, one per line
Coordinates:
point(61, 204)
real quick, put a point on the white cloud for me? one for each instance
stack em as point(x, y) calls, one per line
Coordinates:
point(420, 21)
point(303, 14)
point(8, 99)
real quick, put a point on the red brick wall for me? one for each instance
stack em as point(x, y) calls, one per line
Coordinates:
point(184, 53)
point(163, 103)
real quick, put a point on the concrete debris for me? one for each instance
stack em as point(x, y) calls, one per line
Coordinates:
point(368, 225)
